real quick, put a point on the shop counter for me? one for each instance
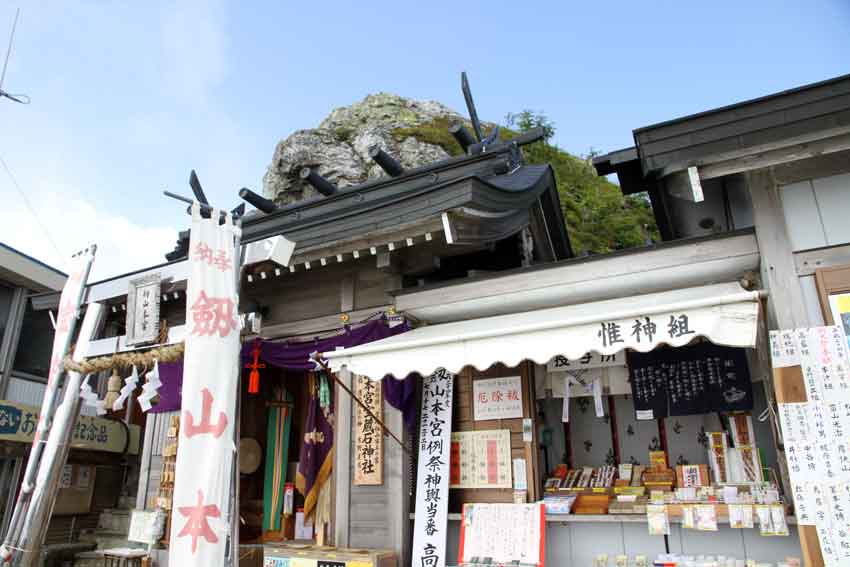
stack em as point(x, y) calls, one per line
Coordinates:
point(298, 555)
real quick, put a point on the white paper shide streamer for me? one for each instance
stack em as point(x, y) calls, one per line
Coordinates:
point(151, 387)
point(129, 387)
point(90, 397)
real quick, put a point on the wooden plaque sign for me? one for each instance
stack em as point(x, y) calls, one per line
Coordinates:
point(369, 438)
point(143, 310)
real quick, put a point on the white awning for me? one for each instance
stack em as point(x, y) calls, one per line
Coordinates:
point(725, 314)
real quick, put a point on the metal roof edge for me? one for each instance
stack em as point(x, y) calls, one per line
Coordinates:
point(740, 104)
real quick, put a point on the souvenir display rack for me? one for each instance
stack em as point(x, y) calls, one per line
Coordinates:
point(165, 495)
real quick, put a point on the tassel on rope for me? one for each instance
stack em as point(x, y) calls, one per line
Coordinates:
point(254, 375)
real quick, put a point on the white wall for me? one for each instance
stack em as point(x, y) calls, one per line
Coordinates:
point(25, 392)
point(817, 211)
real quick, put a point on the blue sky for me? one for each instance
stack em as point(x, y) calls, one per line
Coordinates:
point(128, 97)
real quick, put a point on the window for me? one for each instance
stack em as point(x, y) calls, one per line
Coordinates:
point(6, 294)
point(36, 342)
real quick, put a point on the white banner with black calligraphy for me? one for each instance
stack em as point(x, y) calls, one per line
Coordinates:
point(432, 480)
point(816, 433)
point(204, 470)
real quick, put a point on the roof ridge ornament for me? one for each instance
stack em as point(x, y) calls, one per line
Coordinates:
point(318, 182)
point(470, 106)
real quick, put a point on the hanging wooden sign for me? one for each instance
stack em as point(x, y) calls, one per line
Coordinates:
point(369, 439)
point(143, 310)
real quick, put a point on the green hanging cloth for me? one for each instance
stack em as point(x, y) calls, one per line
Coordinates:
point(324, 391)
point(277, 461)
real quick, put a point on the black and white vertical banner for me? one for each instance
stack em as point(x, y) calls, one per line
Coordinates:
point(432, 480)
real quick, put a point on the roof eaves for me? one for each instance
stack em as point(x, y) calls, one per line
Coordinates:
point(741, 104)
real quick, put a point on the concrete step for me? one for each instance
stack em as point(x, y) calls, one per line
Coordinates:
point(62, 554)
point(106, 539)
point(88, 559)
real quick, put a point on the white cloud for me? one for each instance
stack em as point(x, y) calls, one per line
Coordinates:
point(74, 223)
point(194, 43)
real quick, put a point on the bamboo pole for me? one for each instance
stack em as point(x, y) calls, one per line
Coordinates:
point(318, 359)
point(234, 486)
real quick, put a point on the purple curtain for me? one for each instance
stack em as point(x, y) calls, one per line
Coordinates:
point(401, 394)
point(170, 397)
point(295, 355)
point(315, 461)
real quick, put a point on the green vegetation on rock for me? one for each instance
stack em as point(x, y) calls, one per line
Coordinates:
point(434, 132)
point(599, 217)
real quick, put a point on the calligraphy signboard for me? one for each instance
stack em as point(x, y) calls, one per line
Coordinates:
point(690, 380)
point(369, 438)
point(481, 459)
point(143, 311)
point(200, 525)
point(497, 398)
point(432, 478)
point(589, 360)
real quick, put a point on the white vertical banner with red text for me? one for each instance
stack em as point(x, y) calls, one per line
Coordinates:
point(205, 455)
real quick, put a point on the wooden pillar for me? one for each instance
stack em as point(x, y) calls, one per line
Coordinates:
point(342, 462)
point(785, 306)
point(790, 388)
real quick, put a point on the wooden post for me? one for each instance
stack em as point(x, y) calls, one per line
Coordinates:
point(785, 309)
point(790, 388)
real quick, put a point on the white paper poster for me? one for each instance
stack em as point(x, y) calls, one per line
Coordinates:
point(502, 534)
point(565, 409)
point(597, 398)
point(200, 525)
point(497, 398)
point(481, 459)
point(815, 435)
point(432, 480)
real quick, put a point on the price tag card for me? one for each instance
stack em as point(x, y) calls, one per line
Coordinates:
point(736, 515)
point(841, 378)
point(838, 495)
point(813, 380)
point(783, 349)
point(827, 546)
point(820, 505)
point(803, 507)
point(794, 421)
point(796, 468)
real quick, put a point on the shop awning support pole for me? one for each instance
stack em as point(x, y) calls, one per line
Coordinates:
point(233, 560)
point(318, 359)
point(57, 448)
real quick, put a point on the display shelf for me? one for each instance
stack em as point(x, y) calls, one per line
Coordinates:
point(610, 519)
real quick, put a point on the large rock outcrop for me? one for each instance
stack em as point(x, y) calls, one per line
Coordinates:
point(339, 147)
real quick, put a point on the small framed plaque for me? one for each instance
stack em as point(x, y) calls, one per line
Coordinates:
point(143, 310)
